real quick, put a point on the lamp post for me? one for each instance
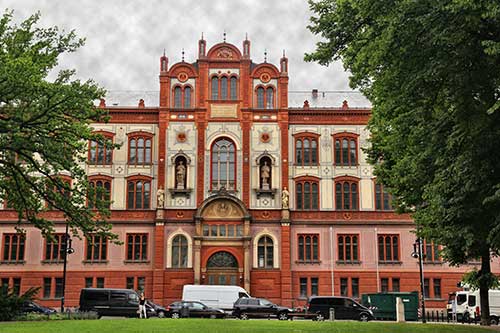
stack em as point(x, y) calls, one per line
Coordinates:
point(419, 253)
point(65, 251)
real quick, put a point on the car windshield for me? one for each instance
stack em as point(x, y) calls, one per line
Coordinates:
point(461, 299)
point(265, 302)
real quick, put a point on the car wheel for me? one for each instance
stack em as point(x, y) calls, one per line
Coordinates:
point(161, 314)
point(283, 316)
point(243, 316)
point(466, 318)
point(175, 315)
point(493, 321)
point(364, 317)
point(320, 317)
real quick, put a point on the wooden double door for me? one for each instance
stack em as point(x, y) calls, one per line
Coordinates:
point(222, 269)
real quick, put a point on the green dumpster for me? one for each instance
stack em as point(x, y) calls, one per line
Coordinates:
point(383, 305)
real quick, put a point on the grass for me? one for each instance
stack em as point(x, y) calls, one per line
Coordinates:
point(230, 326)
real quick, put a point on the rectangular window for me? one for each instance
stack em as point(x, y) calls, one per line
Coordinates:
point(384, 285)
point(303, 287)
point(136, 283)
point(388, 248)
point(347, 248)
point(383, 200)
point(314, 286)
point(130, 282)
point(395, 285)
point(16, 286)
point(59, 288)
point(5, 286)
point(355, 287)
point(343, 286)
point(47, 287)
point(137, 246)
point(308, 248)
point(54, 248)
point(96, 248)
point(141, 284)
point(13, 247)
point(100, 282)
point(426, 288)
point(437, 288)
point(101, 153)
point(89, 282)
point(431, 252)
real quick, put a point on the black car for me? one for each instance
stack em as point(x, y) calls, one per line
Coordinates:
point(153, 309)
point(192, 309)
point(110, 302)
point(246, 308)
point(344, 307)
point(32, 307)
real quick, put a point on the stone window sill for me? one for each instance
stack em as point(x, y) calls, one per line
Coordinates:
point(348, 262)
point(136, 261)
point(95, 261)
point(12, 262)
point(390, 262)
point(308, 262)
point(57, 261)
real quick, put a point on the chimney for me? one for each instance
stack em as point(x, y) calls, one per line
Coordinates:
point(163, 63)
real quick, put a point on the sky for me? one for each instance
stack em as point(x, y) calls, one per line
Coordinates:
point(124, 39)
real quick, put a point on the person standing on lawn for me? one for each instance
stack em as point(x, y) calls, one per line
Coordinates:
point(142, 306)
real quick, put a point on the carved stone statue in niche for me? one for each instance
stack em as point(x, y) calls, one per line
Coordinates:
point(285, 197)
point(265, 175)
point(160, 198)
point(180, 175)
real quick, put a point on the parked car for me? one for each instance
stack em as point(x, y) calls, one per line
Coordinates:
point(344, 307)
point(155, 310)
point(110, 302)
point(245, 308)
point(221, 297)
point(32, 307)
point(193, 310)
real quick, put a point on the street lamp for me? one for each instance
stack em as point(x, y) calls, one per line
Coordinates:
point(419, 253)
point(65, 251)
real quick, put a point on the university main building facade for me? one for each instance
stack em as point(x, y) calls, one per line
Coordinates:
point(226, 177)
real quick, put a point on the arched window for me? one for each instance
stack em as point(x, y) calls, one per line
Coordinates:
point(307, 195)
point(180, 252)
point(346, 149)
point(346, 194)
point(139, 194)
point(265, 252)
point(177, 97)
point(306, 149)
point(269, 98)
point(100, 153)
point(223, 88)
point(260, 98)
point(383, 200)
point(215, 88)
point(187, 97)
point(139, 149)
point(223, 164)
point(234, 87)
point(101, 190)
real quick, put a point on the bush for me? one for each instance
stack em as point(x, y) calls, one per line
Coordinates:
point(58, 316)
point(11, 304)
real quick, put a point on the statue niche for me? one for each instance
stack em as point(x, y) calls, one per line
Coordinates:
point(265, 174)
point(180, 164)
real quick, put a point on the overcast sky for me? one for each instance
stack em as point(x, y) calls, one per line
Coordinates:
point(124, 38)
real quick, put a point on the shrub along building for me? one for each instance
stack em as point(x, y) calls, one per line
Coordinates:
point(225, 176)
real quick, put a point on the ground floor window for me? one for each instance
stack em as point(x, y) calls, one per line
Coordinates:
point(349, 287)
point(309, 286)
point(52, 287)
point(94, 282)
point(137, 283)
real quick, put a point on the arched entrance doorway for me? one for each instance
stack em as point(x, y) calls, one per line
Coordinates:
point(222, 269)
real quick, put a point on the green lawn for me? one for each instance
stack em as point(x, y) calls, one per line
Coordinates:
point(230, 326)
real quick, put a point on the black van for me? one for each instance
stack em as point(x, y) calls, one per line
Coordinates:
point(345, 308)
point(110, 302)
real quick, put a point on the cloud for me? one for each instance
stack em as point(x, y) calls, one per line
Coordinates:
point(124, 39)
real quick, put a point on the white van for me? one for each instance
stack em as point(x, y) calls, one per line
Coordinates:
point(468, 301)
point(222, 297)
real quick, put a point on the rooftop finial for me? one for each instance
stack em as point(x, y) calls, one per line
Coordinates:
point(283, 53)
point(164, 52)
point(265, 55)
point(202, 35)
point(224, 35)
point(246, 35)
point(182, 54)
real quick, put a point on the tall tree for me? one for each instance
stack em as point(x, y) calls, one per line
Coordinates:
point(44, 130)
point(431, 69)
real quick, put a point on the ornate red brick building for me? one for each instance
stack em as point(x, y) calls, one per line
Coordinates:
point(224, 176)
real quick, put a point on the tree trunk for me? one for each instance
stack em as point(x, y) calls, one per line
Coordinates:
point(484, 288)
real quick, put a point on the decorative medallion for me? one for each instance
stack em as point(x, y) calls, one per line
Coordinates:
point(179, 214)
point(265, 137)
point(181, 137)
point(265, 202)
point(182, 76)
point(265, 214)
point(265, 77)
point(347, 216)
point(225, 53)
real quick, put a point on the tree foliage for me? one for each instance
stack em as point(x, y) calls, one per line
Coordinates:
point(11, 303)
point(431, 69)
point(44, 129)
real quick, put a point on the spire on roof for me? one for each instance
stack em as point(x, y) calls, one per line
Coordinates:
point(265, 55)
point(224, 35)
point(182, 54)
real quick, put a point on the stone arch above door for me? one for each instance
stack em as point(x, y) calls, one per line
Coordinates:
point(222, 205)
